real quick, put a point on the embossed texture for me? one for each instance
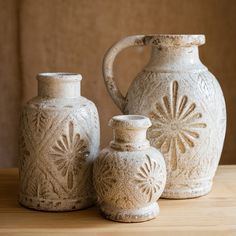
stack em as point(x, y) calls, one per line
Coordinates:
point(174, 125)
point(185, 104)
point(58, 143)
point(129, 175)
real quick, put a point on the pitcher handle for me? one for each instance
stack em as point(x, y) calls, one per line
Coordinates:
point(116, 95)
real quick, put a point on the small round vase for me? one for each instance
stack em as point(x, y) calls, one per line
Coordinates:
point(58, 143)
point(129, 174)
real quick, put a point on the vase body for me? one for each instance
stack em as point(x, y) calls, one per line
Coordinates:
point(129, 175)
point(186, 106)
point(58, 144)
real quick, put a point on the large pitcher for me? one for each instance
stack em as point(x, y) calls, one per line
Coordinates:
point(185, 104)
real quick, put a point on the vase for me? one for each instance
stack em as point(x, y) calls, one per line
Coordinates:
point(185, 104)
point(59, 141)
point(129, 174)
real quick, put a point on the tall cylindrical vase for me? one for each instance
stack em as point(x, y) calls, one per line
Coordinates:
point(58, 144)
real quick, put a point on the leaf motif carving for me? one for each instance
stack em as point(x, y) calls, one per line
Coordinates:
point(39, 120)
point(39, 186)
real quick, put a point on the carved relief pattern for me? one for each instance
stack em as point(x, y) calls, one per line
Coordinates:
point(59, 144)
point(143, 88)
point(149, 178)
point(40, 186)
point(24, 153)
point(70, 154)
point(39, 119)
point(123, 200)
point(189, 121)
point(144, 181)
point(104, 178)
point(175, 125)
point(110, 171)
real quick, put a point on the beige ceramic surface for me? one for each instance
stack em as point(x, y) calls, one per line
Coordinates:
point(185, 104)
point(58, 144)
point(129, 175)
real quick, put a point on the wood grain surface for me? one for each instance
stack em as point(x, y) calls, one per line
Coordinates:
point(73, 35)
point(214, 214)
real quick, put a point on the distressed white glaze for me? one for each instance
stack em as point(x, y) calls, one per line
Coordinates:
point(129, 175)
point(185, 104)
point(58, 143)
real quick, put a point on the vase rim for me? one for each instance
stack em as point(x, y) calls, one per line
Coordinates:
point(175, 39)
point(130, 122)
point(59, 76)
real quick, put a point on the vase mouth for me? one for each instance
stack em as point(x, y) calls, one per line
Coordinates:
point(130, 122)
point(59, 76)
point(59, 85)
point(168, 40)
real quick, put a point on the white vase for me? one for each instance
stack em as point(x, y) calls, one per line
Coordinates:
point(129, 175)
point(185, 104)
point(58, 144)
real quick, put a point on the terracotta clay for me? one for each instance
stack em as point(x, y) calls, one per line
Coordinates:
point(58, 144)
point(185, 104)
point(129, 175)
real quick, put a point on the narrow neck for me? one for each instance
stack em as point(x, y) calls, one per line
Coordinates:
point(129, 132)
point(175, 58)
point(129, 139)
point(59, 85)
point(59, 89)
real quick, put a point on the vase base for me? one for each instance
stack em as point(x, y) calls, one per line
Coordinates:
point(130, 215)
point(185, 193)
point(55, 205)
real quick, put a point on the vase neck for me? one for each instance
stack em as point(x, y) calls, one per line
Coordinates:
point(129, 132)
point(175, 58)
point(59, 85)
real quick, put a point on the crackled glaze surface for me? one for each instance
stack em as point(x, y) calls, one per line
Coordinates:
point(185, 104)
point(58, 143)
point(129, 175)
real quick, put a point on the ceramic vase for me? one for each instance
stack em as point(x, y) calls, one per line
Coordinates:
point(129, 175)
point(185, 104)
point(58, 144)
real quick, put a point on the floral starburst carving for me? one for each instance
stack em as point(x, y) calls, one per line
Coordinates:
point(175, 125)
point(69, 153)
point(104, 177)
point(149, 177)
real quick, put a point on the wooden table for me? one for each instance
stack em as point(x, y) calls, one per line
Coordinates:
point(214, 214)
